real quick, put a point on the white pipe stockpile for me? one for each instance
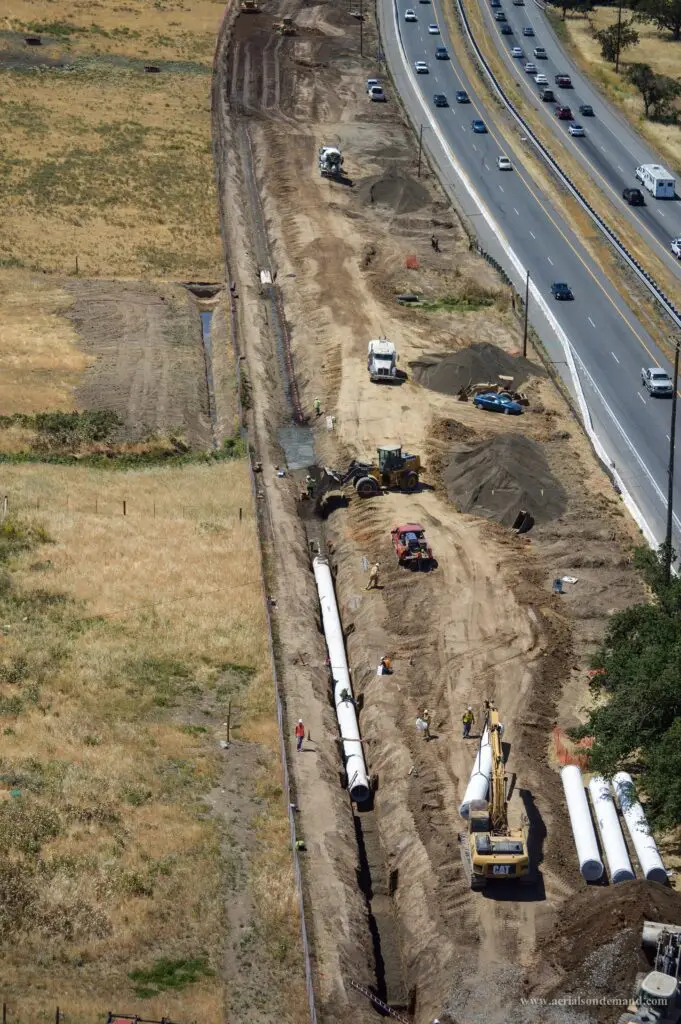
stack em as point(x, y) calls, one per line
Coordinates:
point(590, 863)
point(638, 828)
point(614, 847)
point(478, 784)
point(358, 780)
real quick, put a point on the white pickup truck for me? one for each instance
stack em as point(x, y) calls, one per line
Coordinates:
point(656, 381)
point(382, 361)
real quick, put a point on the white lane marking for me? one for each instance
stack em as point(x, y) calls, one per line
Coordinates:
point(660, 213)
point(602, 149)
point(667, 436)
point(641, 397)
point(501, 189)
point(550, 260)
point(614, 357)
point(620, 169)
point(533, 235)
point(475, 147)
point(591, 321)
point(515, 211)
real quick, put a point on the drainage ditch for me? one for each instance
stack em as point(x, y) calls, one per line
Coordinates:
point(207, 298)
point(297, 442)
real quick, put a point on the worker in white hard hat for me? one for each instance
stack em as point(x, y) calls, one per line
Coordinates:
point(468, 719)
point(300, 734)
point(426, 718)
point(373, 577)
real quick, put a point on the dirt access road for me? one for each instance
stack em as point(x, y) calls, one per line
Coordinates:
point(484, 623)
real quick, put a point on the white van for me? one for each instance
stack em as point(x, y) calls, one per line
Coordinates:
point(657, 180)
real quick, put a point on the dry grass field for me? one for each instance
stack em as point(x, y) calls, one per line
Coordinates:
point(101, 160)
point(654, 47)
point(145, 867)
point(123, 640)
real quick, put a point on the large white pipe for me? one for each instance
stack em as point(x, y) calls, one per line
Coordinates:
point(590, 863)
point(611, 834)
point(637, 826)
point(478, 784)
point(358, 780)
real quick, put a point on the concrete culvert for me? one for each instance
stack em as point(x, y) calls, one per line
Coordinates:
point(499, 477)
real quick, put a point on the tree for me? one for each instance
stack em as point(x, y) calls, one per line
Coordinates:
point(666, 14)
point(637, 720)
point(616, 38)
point(658, 92)
point(571, 5)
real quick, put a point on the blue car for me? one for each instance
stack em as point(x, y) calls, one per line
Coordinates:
point(497, 403)
point(479, 127)
point(462, 96)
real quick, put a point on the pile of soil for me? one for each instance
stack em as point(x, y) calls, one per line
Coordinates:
point(592, 944)
point(396, 190)
point(597, 915)
point(497, 478)
point(477, 364)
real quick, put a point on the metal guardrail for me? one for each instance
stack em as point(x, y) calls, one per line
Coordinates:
point(619, 247)
point(221, 156)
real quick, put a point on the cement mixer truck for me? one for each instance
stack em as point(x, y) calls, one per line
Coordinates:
point(330, 162)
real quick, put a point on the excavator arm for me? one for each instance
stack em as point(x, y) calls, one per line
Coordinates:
point(498, 809)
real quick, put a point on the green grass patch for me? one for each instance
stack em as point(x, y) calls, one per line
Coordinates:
point(169, 974)
point(457, 304)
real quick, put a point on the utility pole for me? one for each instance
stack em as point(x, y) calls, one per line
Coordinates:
point(619, 38)
point(527, 303)
point(418, 173)
point(361, 28)
point(670, 473)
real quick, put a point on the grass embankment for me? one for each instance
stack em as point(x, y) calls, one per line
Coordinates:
point(101, 160)
point(654, 48)
point(123, 639)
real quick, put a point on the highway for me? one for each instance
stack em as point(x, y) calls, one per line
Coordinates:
point(611, 149)
point(609, 345)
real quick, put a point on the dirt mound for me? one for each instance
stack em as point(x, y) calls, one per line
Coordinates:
point(598, 914)
point(497, 478)
point(472, 365)
point(592, 944)
point(396, 190)
point(451, 430)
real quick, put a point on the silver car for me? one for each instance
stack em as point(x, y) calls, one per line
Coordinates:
point(656, 381)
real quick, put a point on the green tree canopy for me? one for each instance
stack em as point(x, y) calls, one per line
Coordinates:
point(638, 718)
point(658, 92)
point(666, 14)
point(614, 38)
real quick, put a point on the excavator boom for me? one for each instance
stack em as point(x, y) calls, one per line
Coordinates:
point(492, 849)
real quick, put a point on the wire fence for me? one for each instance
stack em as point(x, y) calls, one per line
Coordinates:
point(221, 156)
point(104, 505)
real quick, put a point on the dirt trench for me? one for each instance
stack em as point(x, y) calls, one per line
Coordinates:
point(484, 623)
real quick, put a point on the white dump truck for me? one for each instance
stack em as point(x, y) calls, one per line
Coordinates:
point(382, 361)
point(330, 162)
point(659, 182)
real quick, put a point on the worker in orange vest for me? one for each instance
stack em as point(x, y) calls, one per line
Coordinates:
point(300, 734)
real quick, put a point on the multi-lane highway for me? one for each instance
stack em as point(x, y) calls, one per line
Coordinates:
point(611, 149)
point(608, 343)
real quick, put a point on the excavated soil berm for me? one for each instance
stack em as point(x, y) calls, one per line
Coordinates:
point(497, 478)
point(476, 364)
point(395, 190)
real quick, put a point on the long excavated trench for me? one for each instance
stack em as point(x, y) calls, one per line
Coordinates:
point(389, 991)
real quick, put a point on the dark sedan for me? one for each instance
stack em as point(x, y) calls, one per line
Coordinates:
point(440, 100)
point(634, 197)
point(562, 291)
point(479, 127)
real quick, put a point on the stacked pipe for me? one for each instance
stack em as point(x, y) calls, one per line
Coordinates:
point(355, 767)
point(637, 826)
point(614, 847)
point(590, 863)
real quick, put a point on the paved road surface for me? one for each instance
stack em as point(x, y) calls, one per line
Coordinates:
point(611, 150)
point(609, 344)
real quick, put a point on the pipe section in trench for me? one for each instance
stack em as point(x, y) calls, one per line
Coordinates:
point(355, 767)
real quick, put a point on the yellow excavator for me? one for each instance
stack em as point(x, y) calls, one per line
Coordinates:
point(491, 849)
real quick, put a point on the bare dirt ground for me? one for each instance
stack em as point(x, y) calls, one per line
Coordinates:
point(484, 623)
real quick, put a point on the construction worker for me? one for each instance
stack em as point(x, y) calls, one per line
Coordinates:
point(435, 242)
point(309, 485)
point(386, 666)
point(300, 734)
point(426, 718)
point(373, 577)
point(467, 718)
point(317, 407)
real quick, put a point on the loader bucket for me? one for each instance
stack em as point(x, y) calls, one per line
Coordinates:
point(331, 500)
